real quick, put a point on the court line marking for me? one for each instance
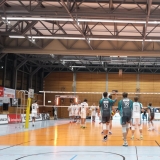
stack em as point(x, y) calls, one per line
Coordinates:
point(157, 143)
point(14, 145)
point(73, 157)
point(136, 152)
point(68, 151)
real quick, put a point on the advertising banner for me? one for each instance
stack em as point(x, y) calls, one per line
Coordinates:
point(14, 102)
point(1, 92)
point(10, 93)
point(157, 116)
point(45, 116)
point(39, 117)
point(3, 119)
point(31, 93)
point(23, 116)
point(13, 118)
point(1, 101)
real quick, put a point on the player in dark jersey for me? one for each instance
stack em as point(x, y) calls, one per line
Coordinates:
point(151, 112)
point(105, 106)
point(125, 109)
point(112, 114)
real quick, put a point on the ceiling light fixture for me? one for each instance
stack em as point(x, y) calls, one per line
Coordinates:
point(79, 20)
point(16, 36)
point(89, 39)
point(78, 66)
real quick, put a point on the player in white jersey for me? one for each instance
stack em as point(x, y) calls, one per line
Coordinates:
point(76, 112)
point(93, 112)
point(35, 111)
point(70, 109)
point(136, 117)
point(83, 111)
point(79, 112)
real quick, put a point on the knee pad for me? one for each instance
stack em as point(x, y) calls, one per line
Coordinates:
point(133, 127)
point(107, 127)
point(124, 129)
point(127, 125)
point(104, 126)
point(140, 127)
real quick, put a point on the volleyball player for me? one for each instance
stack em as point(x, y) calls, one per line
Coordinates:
point(35, 111)
point(125, 109)
point(93, 112)
point(76, 112)
point(70, 109)
point(112, 114)
point(100, 118)
point(105, 106)
point(151, 112)
point(136, 117)
point(79, 113)
point(83, 111)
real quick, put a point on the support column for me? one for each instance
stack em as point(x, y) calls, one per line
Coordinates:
point(41, 81)
point(22, 79)
point(74, 82)
point(30, 78)
point(14, 74)
point(36, 82)
point(107, 82)
point(31, 75)
point(4, 71)
point(44, 98)
point(137, 84)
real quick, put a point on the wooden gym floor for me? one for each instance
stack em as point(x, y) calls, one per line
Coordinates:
point(62, 140)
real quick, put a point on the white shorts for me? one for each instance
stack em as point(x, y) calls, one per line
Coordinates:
point(34, 114)
point(76, 114)
point(83, 115)
point(136, 121)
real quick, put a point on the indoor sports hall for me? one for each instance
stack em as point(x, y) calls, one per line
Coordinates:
point(58, 58)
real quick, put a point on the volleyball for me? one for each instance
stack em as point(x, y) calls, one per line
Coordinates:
point(113, 113)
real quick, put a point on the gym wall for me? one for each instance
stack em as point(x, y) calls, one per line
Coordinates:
point(100, 82)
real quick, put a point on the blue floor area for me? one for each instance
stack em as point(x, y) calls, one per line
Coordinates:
point(79, 153)
point(19, 152)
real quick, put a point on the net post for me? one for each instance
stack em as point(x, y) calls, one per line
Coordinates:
point(27, 113)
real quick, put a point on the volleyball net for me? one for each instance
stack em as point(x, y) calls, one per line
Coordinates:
point(63, 99)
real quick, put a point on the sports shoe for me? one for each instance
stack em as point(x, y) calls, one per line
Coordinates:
point(141, 137)
point(125, 143)
point(149, 129)
point(105, 138)
point(152, 128)
point(110, 133)
point(132, 137)
point(102, 132)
